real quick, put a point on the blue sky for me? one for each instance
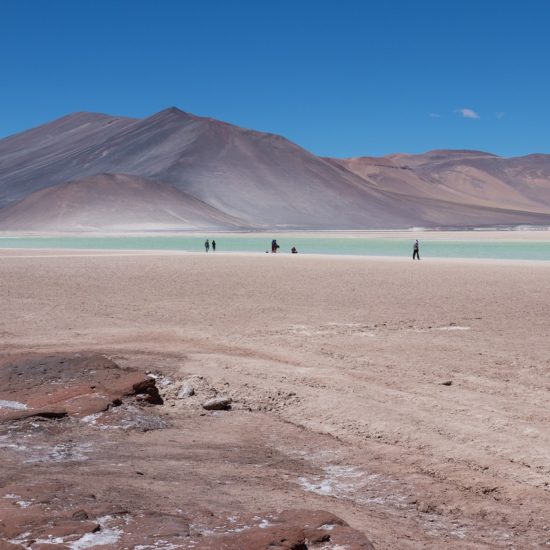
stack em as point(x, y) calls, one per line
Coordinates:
point(341, 78)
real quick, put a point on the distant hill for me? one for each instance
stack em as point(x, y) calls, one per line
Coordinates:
point(174, 170)
point(113, 202)
point(462, 177)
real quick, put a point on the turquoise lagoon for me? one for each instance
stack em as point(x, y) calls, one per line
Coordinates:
point(350, 245)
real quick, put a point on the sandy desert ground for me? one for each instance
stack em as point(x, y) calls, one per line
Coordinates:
point(410, 399)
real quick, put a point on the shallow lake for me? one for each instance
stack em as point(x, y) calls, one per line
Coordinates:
point(356, 245)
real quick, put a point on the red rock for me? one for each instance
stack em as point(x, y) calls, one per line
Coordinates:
point(55, 386)
point(288, 530)
point(80, 515)
point(217, 404)
point(66, 528)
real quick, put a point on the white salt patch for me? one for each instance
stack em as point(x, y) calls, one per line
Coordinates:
point(264, 524)
point(14, 405)
point(11, 495)
point(5, 444)
point(91, 418)
point(23, 503)
point(22, 538)
point(161, 379)
point(350, 483)
point(50, 540)
point(159, 545)
point(454, 328)
point(103, 537)
point(322, 488)
point(63, 452)
point(238, 529)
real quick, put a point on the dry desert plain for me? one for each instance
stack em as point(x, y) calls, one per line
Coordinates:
point(410, 399)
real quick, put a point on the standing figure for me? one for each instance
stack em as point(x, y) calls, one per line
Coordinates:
point(274, 246)
point(206, 246)
point(415, 250)
point(213, 245)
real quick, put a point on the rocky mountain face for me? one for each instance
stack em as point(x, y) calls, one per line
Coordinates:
point(174, 170)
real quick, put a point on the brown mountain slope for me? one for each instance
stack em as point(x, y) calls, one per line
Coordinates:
point(30, 157)
point(262, 179)
point(465, 177)
point(265, 181)
point(111, 202)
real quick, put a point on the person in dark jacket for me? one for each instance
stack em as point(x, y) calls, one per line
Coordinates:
point(416, 254)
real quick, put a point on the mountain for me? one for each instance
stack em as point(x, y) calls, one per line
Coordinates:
point(175, 170)
point(462, 177)
point(113, 202)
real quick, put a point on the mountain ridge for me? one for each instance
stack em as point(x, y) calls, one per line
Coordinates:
point(264, 180)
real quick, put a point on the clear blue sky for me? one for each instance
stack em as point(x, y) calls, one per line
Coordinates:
point(341, 78)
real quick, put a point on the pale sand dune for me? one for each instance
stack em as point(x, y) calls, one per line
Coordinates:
point(364, 345)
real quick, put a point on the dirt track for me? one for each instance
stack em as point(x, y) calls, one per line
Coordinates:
point(336, 367)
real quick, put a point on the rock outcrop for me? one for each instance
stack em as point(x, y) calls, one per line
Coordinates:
point(57, 385)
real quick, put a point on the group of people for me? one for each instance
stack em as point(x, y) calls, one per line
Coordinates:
point(207, 245)
point(294, 250)
point(275, 247)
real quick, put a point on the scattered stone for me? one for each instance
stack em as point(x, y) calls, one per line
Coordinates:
point(129, 417)
point(217, 404)
point(80, 515)
point(187, 390)
point(147, 387)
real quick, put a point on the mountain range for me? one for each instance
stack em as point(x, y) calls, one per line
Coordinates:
point(178, 171)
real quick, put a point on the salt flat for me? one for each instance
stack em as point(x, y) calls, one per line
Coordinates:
point(409, 398)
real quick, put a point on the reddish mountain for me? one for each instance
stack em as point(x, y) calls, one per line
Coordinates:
point(463, 177)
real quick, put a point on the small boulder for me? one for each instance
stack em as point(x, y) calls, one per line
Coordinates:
point(217, 404)
point(80, 515)
point(187, 390)
point(447, 383)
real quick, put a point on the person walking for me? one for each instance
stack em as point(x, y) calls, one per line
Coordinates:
point(213, 246)
point(206, 246)
point(416, 247)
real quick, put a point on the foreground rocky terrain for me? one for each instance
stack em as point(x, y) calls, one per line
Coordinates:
point(80, 471)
